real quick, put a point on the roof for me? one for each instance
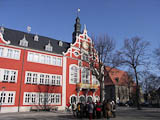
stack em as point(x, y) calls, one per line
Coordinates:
point(14, 36)
point(117, 77)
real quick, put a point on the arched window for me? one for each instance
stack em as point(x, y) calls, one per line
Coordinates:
point(82, 99)
point(74, 74)
point(89, 99)
point(73, 99)
point(85, 76)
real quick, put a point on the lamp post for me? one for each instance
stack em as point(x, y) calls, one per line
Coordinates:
point(1, 102)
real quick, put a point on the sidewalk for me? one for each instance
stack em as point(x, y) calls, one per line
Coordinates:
point(123, 113)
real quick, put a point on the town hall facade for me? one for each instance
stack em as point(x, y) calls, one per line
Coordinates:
point(41, 71)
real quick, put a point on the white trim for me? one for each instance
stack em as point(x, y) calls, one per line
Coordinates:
point(73, 95)
point(64, 82)
point(1, 36)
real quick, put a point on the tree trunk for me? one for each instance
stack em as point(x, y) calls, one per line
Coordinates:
point(101, 91)
point(137, 91)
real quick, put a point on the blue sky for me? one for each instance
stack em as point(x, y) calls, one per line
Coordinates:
point(120, 19)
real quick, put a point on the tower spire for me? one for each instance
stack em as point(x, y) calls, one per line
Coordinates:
point(77, 27)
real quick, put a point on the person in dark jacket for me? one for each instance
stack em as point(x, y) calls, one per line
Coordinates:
point(98, 109)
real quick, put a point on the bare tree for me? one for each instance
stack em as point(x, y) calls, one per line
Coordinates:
point(157, 56)
point(134, 56)
point(105, 47)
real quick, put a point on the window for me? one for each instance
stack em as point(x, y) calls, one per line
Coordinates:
point(30, 56)
point(2, 97)
point(54, 60)
point(1, 51)
point(34, 80)
point(23, 42)
point(41, 98)
point(58, 80)
point(54, 80)
point(59, 61)
point(13, 76)
point(10, 98)
point(41, 78)
point(8, 75)
point(16, 54)
point(85, 76)
point(9, 53)
point(47, 79)
point(29, 77)
point(27, 98)
point(48, 60)
point(85, 57)
point(94, 80)
point(7, 97)
point(74, 74)
point(36, 58)
point(57, 98)
point(33, 99)
point(52, 98)
point(48, 47)
point(44, 59)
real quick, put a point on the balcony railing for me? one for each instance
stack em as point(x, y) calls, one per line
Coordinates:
point(87, 86)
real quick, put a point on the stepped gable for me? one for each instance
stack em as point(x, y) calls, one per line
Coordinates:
point(15, 36)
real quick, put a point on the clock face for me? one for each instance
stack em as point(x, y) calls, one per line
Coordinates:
point(85, 45)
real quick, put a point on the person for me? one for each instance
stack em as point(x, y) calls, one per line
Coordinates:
point(94, 110)
point(79, 110)
point(108, 110)
point(113, 109)
point(74, 108)
point(98, 109)
point(90, 110)
point(68, 106)
point(104, 108)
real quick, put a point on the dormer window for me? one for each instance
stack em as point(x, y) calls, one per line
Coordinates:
point(60, 43)
point(36, 37)
point(23, 42)
point(49, 47)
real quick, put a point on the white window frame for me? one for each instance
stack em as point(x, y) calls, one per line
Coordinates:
point(38, 98)
point(6, 97)
point(42, 78)
point(73, 76)
point(84, 76)
point(10, 53)
point(9, 77)
point(44, 59)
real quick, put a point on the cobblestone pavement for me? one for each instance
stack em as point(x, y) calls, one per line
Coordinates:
point(123, 113)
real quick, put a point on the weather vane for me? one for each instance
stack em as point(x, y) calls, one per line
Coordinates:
point(28, 29)
point(78, 10)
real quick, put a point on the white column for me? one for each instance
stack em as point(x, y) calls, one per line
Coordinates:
point(64, 83)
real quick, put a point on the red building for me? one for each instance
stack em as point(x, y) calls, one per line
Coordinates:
point(41, 71)
point(119, 86)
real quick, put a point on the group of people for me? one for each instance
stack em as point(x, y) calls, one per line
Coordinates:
point(94, 110)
